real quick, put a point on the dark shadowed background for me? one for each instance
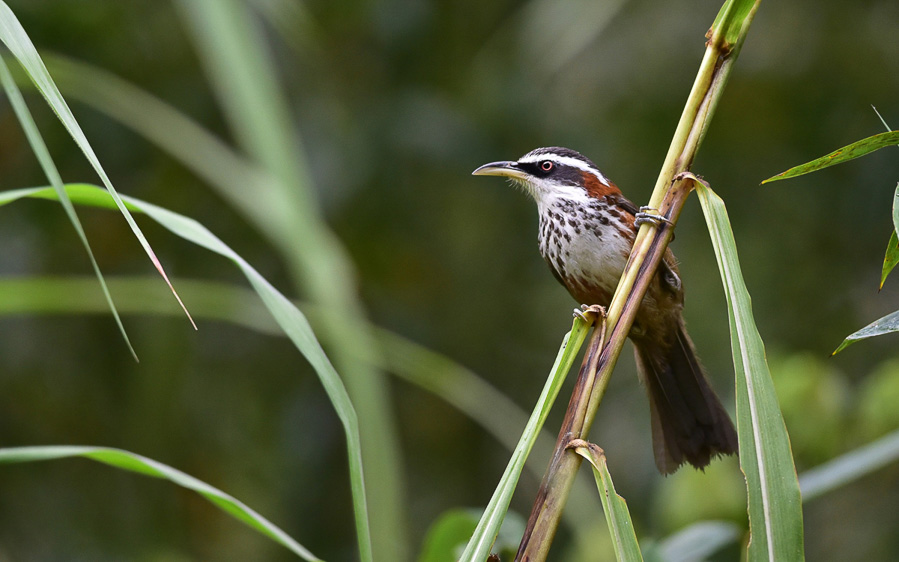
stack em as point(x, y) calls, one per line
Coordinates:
point(397, 101)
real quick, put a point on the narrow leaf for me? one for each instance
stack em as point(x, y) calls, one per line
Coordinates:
point(285, 313)
point(890, 258)
point(488, 527)
point(126, 460)
point(849, 467)
point(886, 325)
point(16, 40)
point(618, 517)
point(43, 155)
point(775, 506)
point(850, 152)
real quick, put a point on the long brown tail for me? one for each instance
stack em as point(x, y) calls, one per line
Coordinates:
point(689, 423)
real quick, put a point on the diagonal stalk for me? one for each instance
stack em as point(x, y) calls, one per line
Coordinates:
point(725, 39)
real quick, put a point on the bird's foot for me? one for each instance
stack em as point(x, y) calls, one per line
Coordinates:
point(589, 313)
point(651, 216)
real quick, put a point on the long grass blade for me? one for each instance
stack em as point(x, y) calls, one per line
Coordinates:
point(775, 506)
point(233, 49)
point(621, 527)
point(482, 540)
point(288, 317)
point(50, 170)
point(126, 460)
point(13, 35)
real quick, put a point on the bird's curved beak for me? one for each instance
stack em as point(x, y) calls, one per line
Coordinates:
point(506, 169)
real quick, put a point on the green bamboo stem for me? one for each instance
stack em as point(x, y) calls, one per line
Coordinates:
point(668, 198)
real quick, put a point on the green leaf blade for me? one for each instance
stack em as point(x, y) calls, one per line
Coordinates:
point(840, 155)
point(775, 506)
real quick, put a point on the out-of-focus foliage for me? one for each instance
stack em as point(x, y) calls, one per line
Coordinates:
point(397, 101)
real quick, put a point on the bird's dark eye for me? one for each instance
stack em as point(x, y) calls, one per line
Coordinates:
point(546, 165)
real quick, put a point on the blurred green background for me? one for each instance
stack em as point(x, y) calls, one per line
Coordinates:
point(396, 102)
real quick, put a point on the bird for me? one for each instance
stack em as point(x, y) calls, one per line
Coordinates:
point(586, 231)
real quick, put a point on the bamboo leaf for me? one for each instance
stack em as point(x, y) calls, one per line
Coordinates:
point(485, 534)
point(886, 325)
point(775, 506)
point(850, 152)
point(618, 517)
point(288, 317)
point(16, 40)
point(126, 460)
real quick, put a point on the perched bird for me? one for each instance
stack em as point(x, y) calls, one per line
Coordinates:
point(586, 232)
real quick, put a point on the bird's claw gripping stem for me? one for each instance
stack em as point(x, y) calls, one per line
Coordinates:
point(590, 313)
point(651, 216)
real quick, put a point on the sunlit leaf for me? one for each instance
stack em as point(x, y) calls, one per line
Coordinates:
point(618, 517)
point(850, 152)
point(126, 460)
point(775, 506)
point(886, 325)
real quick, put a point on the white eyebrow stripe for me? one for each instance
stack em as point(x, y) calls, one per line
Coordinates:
point(566, 160)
